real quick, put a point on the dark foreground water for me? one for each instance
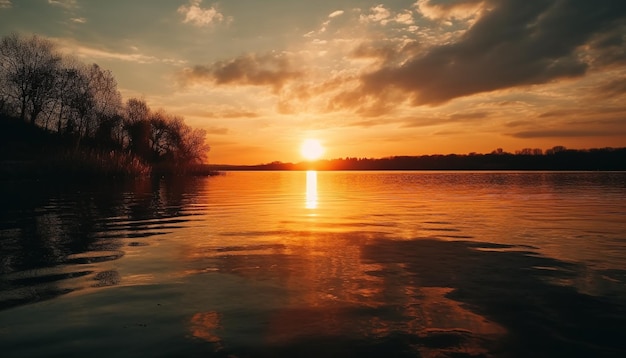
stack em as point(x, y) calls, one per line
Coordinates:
point(297, 264)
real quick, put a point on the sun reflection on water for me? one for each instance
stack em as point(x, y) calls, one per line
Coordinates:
point(311, 189)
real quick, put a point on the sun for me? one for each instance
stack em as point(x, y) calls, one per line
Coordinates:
point(311, 149)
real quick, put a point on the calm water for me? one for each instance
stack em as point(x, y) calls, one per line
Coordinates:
point(431, 264)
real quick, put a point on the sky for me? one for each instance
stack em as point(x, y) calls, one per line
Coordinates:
point(365, 78)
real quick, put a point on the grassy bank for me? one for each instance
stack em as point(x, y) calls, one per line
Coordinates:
point(32, 153)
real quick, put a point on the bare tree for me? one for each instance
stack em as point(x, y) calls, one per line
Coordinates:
point(173, 141)
point(159, 135)
point(27, 71)
point(189, 143)
point(137, 125)
point(107, 99)
point(81, 100)
point(64, 95)
point(107, 103)
point(136, 110)
point(84, 102)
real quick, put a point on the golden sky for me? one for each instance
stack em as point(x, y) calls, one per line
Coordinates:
point(366, 78)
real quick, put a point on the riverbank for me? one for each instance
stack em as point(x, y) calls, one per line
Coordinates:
point(32, 153)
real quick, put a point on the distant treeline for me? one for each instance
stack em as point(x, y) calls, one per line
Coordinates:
point(557, 158)
point(60, 116)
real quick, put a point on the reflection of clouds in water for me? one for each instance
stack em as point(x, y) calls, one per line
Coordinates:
point(333, 291)
point(204, 325)
point(433, 316)
point(425, 296)
point(435, 323)
point(507, 285)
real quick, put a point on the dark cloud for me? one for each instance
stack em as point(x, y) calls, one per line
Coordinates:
point(450, 4)
point(369, 50)
point(614, 88)
point(272, 70)
point(587, 111)
point(559, 113)
point(519, 123)
point(610, 47)
point(517, 42)
point(618, 121)
point(581, 122)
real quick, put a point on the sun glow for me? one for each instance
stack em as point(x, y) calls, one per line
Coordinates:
point(311, 149)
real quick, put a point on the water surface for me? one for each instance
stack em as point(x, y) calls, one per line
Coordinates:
point(317, 264)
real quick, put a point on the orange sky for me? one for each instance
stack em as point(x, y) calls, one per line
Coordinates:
point(366, 78)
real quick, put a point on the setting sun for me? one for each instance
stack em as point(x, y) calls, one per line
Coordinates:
point(311, 149)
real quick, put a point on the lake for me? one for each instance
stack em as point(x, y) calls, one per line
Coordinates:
point(316, 264)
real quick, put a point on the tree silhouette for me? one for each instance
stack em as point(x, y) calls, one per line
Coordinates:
point(82, 106)
point(137, 126)
point(27, 72)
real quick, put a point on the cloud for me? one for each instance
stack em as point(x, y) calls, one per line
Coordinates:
point(79, 20)
point(609, 48)
point(335, 13)
point(405, 18)
point(516, 43)
point(66, 4)
point(5, 4)
point(198, 16)
point(367, 123)
point(614, 88)
point(558, 113)
point(72, 48)
point(519, 123)
point(273, 70)
point(470, 116)
point(238, 114)
point(374, 51)
point(325, 24)
point(134, 57)
point(586, 114)
point(560, 133)
point(216, 130)
point(513, 44)
point(225, 114)
point(451, 9)
point(377, 13)
point(583, 121)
